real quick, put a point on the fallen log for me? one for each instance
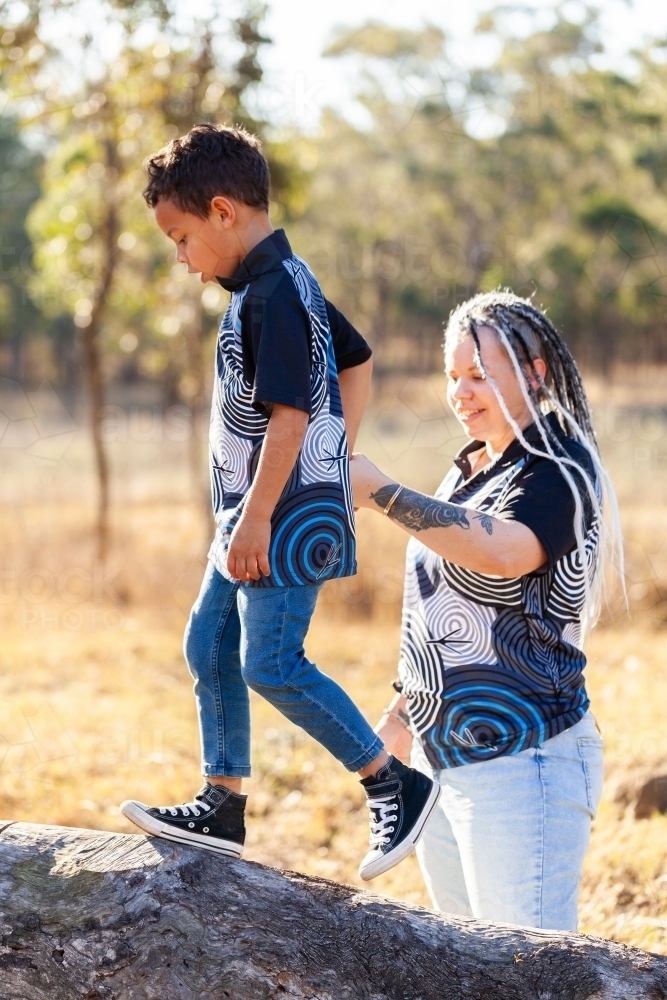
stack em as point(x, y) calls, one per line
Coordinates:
point(88, 915)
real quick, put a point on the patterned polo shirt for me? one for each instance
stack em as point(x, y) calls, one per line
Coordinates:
point(489, 665)
point(280, 341)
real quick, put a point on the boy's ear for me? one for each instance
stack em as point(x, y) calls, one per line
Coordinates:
point(224, 210)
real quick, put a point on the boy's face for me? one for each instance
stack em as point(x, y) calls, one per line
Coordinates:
point(210, 246)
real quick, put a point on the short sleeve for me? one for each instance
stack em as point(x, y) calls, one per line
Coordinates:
point(350, 348)
point(277, 355)
point(543, 501)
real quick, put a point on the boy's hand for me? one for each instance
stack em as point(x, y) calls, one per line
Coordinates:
point(248, 554)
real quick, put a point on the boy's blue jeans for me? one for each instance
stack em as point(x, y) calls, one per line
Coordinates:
point(252, 637)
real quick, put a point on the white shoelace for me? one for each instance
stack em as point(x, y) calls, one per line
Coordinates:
point(187, 809)
point(386, 809)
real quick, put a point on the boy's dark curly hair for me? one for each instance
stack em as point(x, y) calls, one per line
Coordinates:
point(210, 160)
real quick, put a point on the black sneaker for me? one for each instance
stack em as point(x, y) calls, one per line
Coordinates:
point(214, 820)
point(400, 800)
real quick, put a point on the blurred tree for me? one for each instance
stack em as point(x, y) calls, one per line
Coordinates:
point(98, 255)
point(541, 172)
point(532, 173)
point(407, 225)
point(19, 189)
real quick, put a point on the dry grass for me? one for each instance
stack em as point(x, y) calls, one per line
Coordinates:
point(95, 699)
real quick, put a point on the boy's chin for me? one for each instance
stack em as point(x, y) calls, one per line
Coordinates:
point(222, 272)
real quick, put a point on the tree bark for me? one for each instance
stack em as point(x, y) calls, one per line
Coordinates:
point(91, 354)
point(88, 915)
point(91, 350)
point(199, 479)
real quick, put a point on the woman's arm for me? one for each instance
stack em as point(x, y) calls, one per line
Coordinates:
point(463, 536)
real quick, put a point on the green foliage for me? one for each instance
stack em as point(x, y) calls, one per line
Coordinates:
point(654, 159)
point(380, 41)
point(602, 212)
point(564, 200)
point(19, 189)
point(540, 172)
point(98, 256)
point(414, 302)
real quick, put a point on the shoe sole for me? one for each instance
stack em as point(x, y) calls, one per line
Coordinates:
point(407, 846)
point(134, 812)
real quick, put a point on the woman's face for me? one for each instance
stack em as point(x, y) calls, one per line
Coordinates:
point(472, 398)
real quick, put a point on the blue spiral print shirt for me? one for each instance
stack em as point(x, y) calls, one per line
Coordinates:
point(275, 345)
point(493, 666)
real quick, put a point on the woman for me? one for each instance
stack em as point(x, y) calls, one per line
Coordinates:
point(503, 578)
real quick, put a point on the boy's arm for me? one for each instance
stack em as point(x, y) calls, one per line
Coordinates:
point(248, 554)
point(354, 385)
point(355, 367)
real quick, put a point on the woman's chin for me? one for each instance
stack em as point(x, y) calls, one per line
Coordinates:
point(474, 427)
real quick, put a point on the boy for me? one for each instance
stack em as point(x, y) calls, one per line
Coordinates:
point(281, 421)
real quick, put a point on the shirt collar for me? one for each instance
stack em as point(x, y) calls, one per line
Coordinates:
point(266, 256)
point(514, 451)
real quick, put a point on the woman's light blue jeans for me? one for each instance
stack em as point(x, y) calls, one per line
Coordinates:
point(252, 637)
point(508, 839)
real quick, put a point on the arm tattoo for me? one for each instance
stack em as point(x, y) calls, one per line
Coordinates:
point(417, 512)
point(486, 522)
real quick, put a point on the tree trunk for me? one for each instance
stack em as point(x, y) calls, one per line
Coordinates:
point(87, 915)
point(93, 370)
point(199, 480)
point(91, 349)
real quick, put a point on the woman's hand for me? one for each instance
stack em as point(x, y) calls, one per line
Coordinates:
point(366, 479)
point(395, 735)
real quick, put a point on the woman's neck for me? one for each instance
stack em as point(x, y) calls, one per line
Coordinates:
point(497, 445)
point(485, 455)
point(495, 448)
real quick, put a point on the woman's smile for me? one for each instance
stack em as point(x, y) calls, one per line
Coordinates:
point(467, 416)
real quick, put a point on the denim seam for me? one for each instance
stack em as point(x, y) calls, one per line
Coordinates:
point(581, 742)
point(229, 772)
point(542, 829)
point(219, 701)
point(364, 759)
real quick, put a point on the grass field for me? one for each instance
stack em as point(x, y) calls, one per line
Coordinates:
point(95, 702)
